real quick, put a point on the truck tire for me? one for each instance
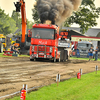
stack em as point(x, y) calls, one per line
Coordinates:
point(1, 47)
point(54, 60)
point(58, 60)
point(33, 59)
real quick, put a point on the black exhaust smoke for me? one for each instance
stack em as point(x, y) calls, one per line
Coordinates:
point(57, 11)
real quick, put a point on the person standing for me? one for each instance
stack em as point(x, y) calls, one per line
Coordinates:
point(91, 53)
point(96, 53)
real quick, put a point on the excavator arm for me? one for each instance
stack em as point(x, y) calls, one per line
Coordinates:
point(21, 5)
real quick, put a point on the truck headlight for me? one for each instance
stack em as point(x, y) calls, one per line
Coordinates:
point(50, 49)
point(32, 48)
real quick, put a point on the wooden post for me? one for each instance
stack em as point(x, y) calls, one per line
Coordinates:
point(80, 71)
point(96, 68)
point(58, 79)
point(57, 83)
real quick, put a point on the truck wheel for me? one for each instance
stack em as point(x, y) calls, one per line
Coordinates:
point(33, 59)
point(54, 60)
point(58, 60)
point(1, 47)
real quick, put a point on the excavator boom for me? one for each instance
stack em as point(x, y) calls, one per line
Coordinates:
point(21, 5)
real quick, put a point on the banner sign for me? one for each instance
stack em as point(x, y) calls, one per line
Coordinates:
point(85, 38)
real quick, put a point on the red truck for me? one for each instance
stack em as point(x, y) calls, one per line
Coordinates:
point(44, 43)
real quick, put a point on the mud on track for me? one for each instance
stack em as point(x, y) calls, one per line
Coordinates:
point(16, 71)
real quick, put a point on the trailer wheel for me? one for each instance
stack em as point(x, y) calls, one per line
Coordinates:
point(1, 47)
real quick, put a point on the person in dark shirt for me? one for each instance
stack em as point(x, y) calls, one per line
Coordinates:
point(96, 53)
point(91, 53)
point(14, 49)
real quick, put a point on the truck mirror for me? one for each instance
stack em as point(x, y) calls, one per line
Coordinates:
point(57, 36)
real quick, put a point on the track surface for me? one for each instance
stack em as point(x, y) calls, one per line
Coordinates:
point(15, 71)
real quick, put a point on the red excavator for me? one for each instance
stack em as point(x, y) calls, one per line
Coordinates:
point(24, 40)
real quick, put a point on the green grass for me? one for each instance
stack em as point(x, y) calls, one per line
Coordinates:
point(86, 88)
point(79, 58)
point(1, 55)
point(82, 58)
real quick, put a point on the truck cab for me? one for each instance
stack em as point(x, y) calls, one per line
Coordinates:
point(44, 42)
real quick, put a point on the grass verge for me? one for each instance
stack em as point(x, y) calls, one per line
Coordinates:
point(82, 58)
point(86, 88)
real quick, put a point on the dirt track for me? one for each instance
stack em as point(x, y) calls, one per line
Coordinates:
point(14, 72)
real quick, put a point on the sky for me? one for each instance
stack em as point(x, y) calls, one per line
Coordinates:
point(8, 6)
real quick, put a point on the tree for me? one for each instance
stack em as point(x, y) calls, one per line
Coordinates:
point(29, 24)
point(5, 30)
point(17, 18)
point(35, 15)
point(7, 24)
point(3, 27)
point(85, 17)
point(1, 13)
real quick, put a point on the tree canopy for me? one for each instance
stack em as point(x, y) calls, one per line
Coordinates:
point(11, 24)
point(7, 24)
point(85, 17)
point(17, 18)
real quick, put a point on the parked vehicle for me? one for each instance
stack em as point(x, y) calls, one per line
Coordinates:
point(82, 48)
point(2, 43)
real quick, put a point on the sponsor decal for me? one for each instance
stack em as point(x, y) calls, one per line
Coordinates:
point(42, 42)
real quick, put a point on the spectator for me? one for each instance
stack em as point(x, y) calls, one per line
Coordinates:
point(96, 53)
point(91, 53)
point(13, 48)
point(16, 49)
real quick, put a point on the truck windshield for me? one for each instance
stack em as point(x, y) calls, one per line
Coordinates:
point(2, 40)
point(41, 33)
